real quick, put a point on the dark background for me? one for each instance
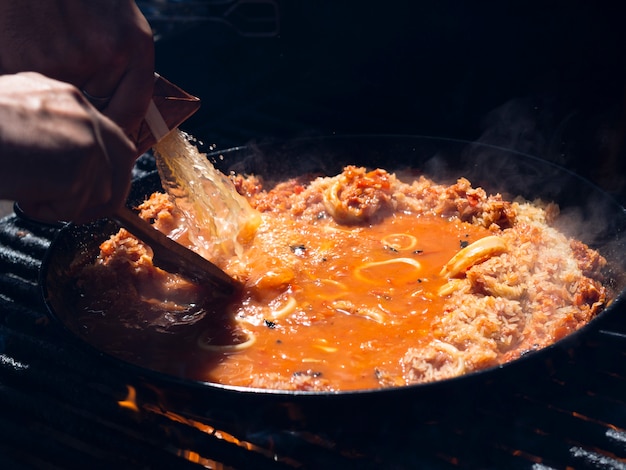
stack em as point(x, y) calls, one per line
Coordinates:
point(546, 78)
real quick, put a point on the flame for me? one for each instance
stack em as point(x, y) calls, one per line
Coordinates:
point(202, 427)
point(213, 432)
point(194, 457)
point(130, 402)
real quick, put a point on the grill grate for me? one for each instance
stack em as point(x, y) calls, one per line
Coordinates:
point(62, 407)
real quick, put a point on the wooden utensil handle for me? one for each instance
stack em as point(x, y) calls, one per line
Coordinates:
point(174, 257)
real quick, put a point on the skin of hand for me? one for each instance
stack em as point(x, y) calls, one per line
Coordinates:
point(104, 47)
point(61, 159)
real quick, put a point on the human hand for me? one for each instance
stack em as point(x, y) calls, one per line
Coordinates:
point(60, 158)
point(104, 47)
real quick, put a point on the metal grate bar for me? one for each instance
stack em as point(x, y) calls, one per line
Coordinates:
point(24, 237)
point(76, 407)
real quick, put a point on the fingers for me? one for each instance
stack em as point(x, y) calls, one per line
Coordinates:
point(98, 102)
point(61, 159)
point(127, 100)
point(123, 86)
point(108, 187)
point(134, 89)
point(96, 187)
point(49, 212)
point(120, 153)
point(130, 100)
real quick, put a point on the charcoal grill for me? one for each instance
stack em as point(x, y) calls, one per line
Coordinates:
point(62, 407)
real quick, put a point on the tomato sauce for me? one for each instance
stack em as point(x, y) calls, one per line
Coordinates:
point(358, 298)
point(352, 282)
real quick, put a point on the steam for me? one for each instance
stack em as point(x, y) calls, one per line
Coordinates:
point(589, 145)
point(545, 165)
point(528, 148)
point(515, 126)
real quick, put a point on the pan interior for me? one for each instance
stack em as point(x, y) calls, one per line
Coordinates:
point(588, 213)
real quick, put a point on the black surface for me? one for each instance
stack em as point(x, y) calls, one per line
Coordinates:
point(541, 77)
point(546, 78)
point(60, 406)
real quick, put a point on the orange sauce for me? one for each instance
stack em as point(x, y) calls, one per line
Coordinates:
point(327, 305)
point(359, 297)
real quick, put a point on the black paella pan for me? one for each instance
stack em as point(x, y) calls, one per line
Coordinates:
point(588, 214)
